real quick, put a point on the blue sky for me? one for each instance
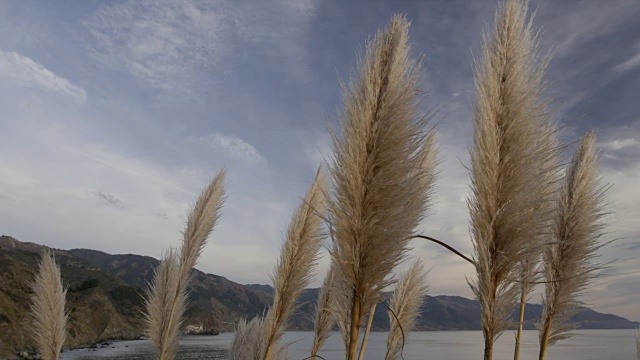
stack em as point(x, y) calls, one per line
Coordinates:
point(113, 115)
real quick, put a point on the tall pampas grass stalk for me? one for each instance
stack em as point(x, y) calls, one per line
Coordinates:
point(166, 301)
point(569, 265)
point(510, 188)
point(379, 196)
point(47, 309)
point(298, 256)
point(324, 318)
point(405, 308)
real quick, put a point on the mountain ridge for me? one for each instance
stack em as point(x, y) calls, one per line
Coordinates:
point(106, 299)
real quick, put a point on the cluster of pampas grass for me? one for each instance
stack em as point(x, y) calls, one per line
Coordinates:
point(48, 308)
point(382, 172)
point(381, 188)
point(167, 297)
point(568, 262)
point(512, 167)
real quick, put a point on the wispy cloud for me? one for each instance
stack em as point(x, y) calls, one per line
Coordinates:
point(231, 146)
point(619, 144)
point(164, 44)
point(169, 45)
point(19, 70)
point(632, 63)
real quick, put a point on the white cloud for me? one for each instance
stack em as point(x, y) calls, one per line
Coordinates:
point(231, 146)
point(620, 144)
point(19, 70)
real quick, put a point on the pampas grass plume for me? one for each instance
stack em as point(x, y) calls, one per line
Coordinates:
point(247, 339)
point(405, 308)
point(166, 301)
point(510, 186)
point(161, 307)
point(569, 261)
point(379, 196)
point(298, 256)
point(324, 318)
point(48, 308)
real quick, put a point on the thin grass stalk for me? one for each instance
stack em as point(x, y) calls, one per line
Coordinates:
point(523, 302)
point(324, 318)
point(298, 257)
point(405, 308)
point(510, 186)
point(569, 262)
point(365, 338)
point(48, 308)
point(166, 301)
point(381, 188)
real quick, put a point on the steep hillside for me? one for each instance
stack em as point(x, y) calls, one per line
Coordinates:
point(100, 305)
point(212, 298)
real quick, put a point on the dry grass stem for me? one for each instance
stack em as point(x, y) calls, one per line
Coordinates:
point(569, 265)
point(367, 330)
point(49, 316)
point(324, 319)
point(405, 304)
point(510, 184)
point(298, 256)
point(166, 301)
point(380, 171)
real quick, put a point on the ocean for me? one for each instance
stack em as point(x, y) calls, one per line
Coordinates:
point(449, 345)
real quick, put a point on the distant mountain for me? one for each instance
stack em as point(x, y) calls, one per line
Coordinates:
point(212, 298)
point(106, 299)
point(100, 305)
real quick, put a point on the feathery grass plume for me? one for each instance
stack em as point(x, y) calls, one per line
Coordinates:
point(568, 262)
point(246, 340)
point(298, 256)
point(379, 196)
point(161, 307)
point(202, 218)
point(405, 304)
point(47, 309)
point(324, 317)
point(509, 186)
point(529, 268)
point(167, 295)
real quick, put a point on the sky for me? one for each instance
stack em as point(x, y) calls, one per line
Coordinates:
point(115, 114)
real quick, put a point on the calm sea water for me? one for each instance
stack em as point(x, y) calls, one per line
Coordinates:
point(450, 345)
